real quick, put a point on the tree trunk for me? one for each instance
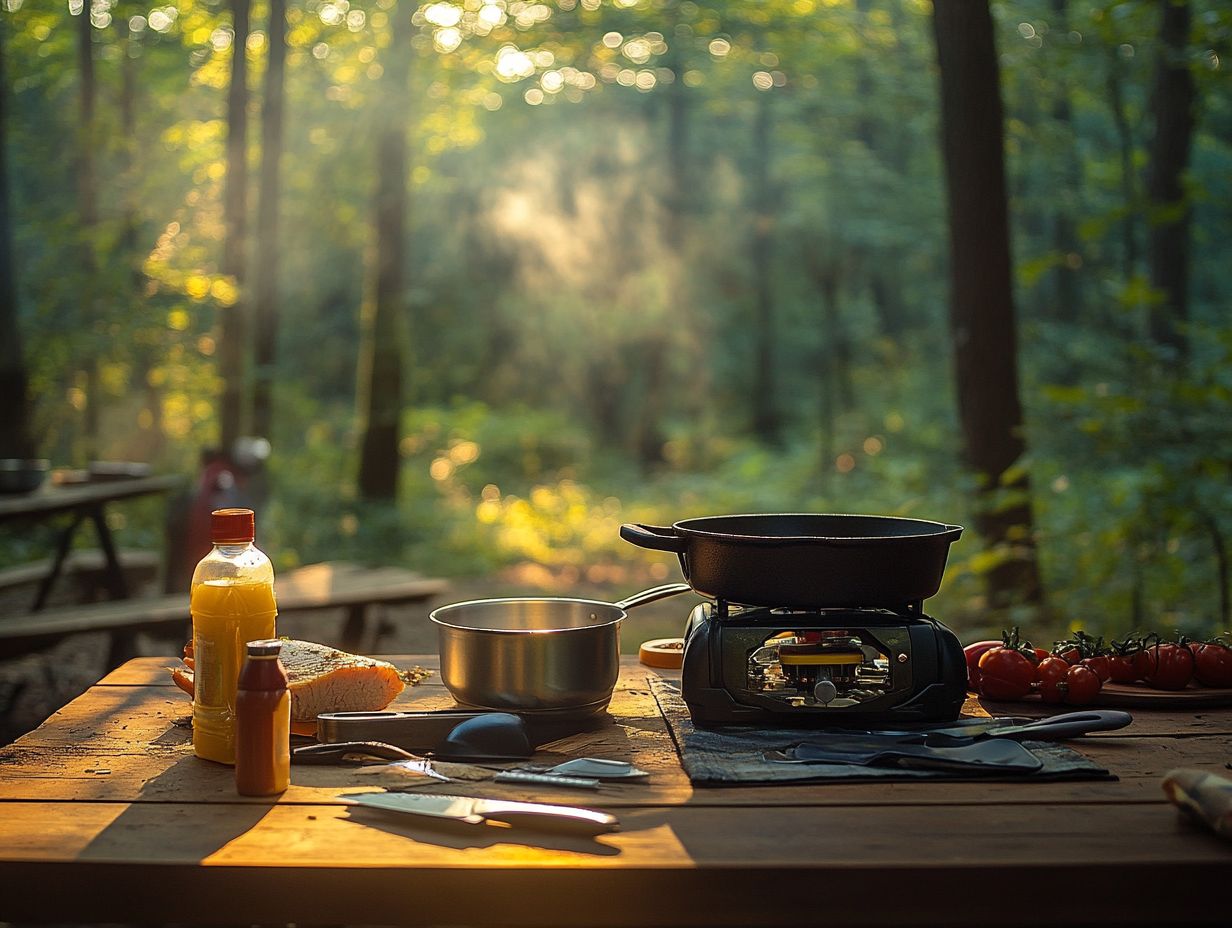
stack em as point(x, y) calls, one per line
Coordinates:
point(1172, 104)
point(880, 263)
point(766, 420)
point(15, 437)
point(265, 309)
point(131, 255)
point(982, 305)
point(381, 388)
point(1125, 148)
point(654, 352)
point(1066, 281)
point(233, 348)
point(87, 204)
point(828, 374)
point(129, 252)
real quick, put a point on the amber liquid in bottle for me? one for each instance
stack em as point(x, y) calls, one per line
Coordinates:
point(262, 723)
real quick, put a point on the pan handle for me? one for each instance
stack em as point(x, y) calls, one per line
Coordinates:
point(652, 536)
point(649, 596)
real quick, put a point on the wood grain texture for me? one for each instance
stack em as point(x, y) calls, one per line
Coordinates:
point(705, 866)
point(107, 797)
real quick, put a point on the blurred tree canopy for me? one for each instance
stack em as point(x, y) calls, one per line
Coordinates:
point(590, 260)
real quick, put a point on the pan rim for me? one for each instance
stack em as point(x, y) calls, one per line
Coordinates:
point(687, 527)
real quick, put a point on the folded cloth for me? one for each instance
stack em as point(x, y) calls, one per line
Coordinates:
point(737, 755)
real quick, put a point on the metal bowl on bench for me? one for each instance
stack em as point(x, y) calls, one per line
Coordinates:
point(22, 475)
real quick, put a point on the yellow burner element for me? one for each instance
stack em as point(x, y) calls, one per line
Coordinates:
point(799, 660)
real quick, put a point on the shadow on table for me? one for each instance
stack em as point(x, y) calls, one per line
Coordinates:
point(197, 837)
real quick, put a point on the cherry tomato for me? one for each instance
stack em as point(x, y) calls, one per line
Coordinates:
point(1082, 685)
point(1121, 668)
point(1212, 663)
point(1170, 666)
point(1099, 663)
point(1041, 654)
point(1142, 663)
point(1006, 674)
point(1070, 655)
point(974, 652)
point(1052, 671)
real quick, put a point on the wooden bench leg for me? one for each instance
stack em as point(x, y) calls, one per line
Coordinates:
point(122, 648)
point(57, 564)
point(117, 586)
point(353, 627)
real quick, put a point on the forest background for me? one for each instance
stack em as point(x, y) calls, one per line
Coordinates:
point(495, 276)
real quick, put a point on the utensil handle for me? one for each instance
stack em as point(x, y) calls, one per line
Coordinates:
point(658, 537)
point(336, 752)
point(566, 820)
point(649, 596)
point(1067, 725)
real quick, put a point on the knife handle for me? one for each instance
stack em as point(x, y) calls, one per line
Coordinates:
point(565, 820)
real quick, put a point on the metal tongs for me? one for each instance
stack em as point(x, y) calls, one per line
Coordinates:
point(358, 752)
point(449, 734)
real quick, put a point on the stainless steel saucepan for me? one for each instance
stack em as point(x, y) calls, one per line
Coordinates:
point(551, 656)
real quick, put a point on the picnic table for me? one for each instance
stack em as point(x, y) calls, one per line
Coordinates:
point(329, 585)
point(85, 501)
point(105, 816)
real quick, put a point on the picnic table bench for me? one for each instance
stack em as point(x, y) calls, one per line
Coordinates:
point(329, 585)
point(84, 572)
point(106, 798)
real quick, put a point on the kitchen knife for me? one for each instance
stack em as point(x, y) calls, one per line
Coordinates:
point(1054, 728)
point(567, 820)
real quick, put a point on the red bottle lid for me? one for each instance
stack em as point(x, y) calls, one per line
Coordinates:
point(232, 526)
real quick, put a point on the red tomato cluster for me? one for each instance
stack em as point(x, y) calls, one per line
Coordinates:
point(1077, 668)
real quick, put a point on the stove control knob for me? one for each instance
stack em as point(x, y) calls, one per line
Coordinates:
point(825, 691)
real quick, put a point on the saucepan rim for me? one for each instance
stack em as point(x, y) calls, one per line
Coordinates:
point(435, 615)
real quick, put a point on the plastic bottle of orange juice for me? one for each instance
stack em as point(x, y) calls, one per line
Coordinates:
point(232, 603)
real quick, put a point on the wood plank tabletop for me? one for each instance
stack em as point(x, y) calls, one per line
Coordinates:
point(106, 797)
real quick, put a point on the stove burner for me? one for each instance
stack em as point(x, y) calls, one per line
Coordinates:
point(830, 667)
point(820, 666)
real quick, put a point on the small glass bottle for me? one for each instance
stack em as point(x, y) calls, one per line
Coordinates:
point(262, 723)
point(232, 602)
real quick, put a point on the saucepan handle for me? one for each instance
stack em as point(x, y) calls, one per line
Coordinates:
point(649, 596)
point(660, 538)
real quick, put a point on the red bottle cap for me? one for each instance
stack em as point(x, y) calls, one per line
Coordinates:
point(232, 526)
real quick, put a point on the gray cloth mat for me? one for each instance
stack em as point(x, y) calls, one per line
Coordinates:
point(734, 756)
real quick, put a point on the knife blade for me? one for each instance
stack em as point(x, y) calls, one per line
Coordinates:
point(569, 820)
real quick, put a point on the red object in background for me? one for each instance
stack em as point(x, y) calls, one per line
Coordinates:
point(221, 485)
point(218, 487)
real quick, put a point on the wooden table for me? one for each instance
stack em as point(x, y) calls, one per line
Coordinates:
point(107, 817)
point(82, 502)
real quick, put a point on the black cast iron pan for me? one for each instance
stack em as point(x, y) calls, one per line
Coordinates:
point(805, 560)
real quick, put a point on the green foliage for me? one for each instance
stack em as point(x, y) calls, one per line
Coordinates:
point(581, 280)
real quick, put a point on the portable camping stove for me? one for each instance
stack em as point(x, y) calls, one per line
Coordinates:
point(820, 667)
